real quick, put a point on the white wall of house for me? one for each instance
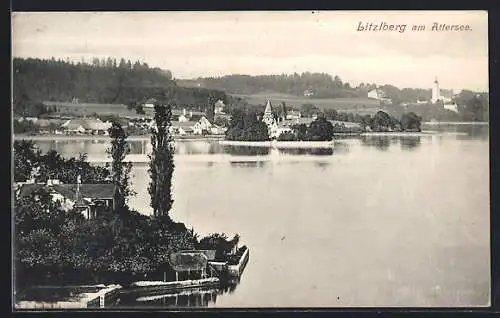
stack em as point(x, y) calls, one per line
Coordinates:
point(373, 94)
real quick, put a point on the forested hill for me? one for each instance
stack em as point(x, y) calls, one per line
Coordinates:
point(320, 84)
point(102, 81)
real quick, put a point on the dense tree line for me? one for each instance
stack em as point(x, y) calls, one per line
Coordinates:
point(102, 81)
point(320, 129)
point(319, 84)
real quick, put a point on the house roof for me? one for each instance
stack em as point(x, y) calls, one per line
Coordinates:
point(178, 111)
point(43, 122)
point(184, 261)
point(94, 191)
point(183, 124)
point(298, 121)
point(98, 125)
point(196, 117)
point(150, 101)
point(87, 190)
point(85, 123)
point(210, 254)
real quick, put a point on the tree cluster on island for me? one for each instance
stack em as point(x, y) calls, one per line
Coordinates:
point(320, 129)
point(54, 246)
point(246, 125)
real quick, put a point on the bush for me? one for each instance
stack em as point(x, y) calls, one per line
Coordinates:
point(287, 136)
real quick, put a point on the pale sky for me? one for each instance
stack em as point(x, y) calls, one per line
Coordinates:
point(199, 44)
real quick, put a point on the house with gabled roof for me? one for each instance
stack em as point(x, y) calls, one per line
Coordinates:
point(89, 199)
point(86, 126)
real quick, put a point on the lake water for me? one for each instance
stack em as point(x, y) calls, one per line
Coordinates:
point(377, 221)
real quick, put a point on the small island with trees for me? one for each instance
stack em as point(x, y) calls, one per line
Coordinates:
point(251, 127)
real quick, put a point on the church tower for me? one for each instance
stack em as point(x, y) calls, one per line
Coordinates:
point(268, 117)
point(269, 120)
point(436, 93)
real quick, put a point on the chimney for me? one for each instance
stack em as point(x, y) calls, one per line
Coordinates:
point(184, 111)
point(190, 113)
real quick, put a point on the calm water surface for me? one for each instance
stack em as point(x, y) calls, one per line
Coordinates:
point(377, 221)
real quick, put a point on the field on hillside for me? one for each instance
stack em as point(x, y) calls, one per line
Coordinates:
point(358, 105)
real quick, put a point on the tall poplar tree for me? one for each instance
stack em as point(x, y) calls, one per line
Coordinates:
point(161, 166)
point(120, 170)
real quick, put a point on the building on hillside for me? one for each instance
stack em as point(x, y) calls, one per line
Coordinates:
point(308, 93)
point(379, 95)
point(88, 199)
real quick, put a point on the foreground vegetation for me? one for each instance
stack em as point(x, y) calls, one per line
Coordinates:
point(56, 246)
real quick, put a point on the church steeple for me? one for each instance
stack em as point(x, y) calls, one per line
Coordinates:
point(269, 108)
point(436, 93)
point(268, 117)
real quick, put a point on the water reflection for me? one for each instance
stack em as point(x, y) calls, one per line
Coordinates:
point(249, 164)
point(461, 132)
point(380, 142)
point(195, 297)
point(199, 297)
point(409, 142)
point(307, 151)
point(246, 150)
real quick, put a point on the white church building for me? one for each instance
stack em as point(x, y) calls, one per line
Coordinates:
point(436, 96)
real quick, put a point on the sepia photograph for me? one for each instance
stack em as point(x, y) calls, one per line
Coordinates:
point(250, 159)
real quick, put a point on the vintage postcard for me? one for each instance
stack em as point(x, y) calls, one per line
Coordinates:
point(236, 159)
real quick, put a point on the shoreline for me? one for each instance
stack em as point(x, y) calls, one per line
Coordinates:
point(400, 133)
point(279, 144)
point(451, 123)
point(53, 137)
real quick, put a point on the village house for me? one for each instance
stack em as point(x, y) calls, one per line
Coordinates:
point(88, 126)
point(293, 114)
point(149, 103)
point(379, 95)
point(217, 130)
point(308, 93)
point(182, 127)
point(89, 199)
point(202, 126)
